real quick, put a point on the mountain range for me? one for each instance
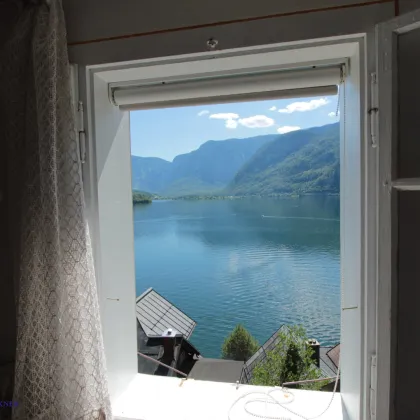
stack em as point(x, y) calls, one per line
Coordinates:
point(304, 161)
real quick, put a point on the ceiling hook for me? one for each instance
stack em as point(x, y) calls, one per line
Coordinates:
point(212, 43)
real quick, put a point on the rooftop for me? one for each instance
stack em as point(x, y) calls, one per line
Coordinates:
point(156, 314)
point(217, 370)
point(328, 360)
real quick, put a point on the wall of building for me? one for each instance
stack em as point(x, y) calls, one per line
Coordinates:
point(298, 19)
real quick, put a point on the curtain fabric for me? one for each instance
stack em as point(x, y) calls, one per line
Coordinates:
point(60, 366)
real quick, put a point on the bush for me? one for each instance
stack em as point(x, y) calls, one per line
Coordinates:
point(239, 345)
point(291, 360)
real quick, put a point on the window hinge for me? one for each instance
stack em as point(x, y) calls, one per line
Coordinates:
point(81, 132)
point(373, 110)
point(372, 390)
point(342, 74)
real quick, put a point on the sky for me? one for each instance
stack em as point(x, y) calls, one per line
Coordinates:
point(166, 133)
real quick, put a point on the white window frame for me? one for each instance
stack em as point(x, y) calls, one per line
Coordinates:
point(107, 176)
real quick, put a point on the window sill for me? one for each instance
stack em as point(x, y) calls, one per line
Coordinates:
point(156, 398)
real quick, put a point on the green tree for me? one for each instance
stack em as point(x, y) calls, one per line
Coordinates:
point(239, 345)
point(291, 360)
point(141, 198)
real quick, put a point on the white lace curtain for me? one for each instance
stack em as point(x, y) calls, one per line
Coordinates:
point(60, 367)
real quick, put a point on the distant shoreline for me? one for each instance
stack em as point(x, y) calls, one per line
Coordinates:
point(235, 197)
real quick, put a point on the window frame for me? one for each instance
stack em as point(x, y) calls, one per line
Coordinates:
point(107, 129)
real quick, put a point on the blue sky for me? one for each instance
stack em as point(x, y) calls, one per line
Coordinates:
point(169, 132)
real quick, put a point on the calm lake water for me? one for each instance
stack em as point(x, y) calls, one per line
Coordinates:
point(260, 262)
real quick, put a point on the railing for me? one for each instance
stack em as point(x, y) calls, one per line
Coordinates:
point(162, 364)
point(308, 381)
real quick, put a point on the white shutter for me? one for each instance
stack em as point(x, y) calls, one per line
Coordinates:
point(209, 90)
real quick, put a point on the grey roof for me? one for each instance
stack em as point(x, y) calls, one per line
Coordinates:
point(217, 370)
point(155, 314)
point(261, 353)
point(328, 360)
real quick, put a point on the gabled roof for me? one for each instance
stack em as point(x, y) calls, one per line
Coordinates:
point(156, 314)
point(261, 353)
point(334, 354)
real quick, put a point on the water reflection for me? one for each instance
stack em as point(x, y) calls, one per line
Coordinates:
point(257, 261)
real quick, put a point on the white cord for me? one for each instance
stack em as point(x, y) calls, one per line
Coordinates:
point(281, 404)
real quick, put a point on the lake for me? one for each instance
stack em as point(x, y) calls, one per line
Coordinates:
point(262, 262)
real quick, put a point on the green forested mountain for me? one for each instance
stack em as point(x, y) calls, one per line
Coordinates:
point(149, 173)
point(141, 197)
point(206, 170)
point(304, 161)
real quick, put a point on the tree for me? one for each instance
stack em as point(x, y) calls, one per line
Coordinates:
point(239, 345)
point(291, 360)
point(141, 198)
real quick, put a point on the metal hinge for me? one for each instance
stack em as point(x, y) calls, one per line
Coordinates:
point(81, 132)
point(372, 389)
point(342, 74)
point(373, 110)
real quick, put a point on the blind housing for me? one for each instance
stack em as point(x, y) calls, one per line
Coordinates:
point(239, 88)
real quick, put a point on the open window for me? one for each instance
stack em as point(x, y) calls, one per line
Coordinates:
point(274, 71)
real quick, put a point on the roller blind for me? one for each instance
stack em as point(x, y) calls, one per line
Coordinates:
point(211, 90)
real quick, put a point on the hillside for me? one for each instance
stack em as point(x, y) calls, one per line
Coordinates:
point(149, 173)
point(206, 170)
point(305, 161)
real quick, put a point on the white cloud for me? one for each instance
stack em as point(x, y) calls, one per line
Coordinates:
point(224, 116)
point(232, 120)
point(333, 114)
point(287, 129)
point(231, 123)
point(203, 112)
point(257, 121)
point(304, 106)
point(273, 108)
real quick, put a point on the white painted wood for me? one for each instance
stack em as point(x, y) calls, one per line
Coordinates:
point(159, 398)
point(408, 184)
point(285, 56)
point(352, 185)
point(111, 219)
point(370, 174)
point(386, 51)
point(108, 129)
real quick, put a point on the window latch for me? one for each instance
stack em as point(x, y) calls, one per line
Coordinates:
point(373, 110)
point(81, 132)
